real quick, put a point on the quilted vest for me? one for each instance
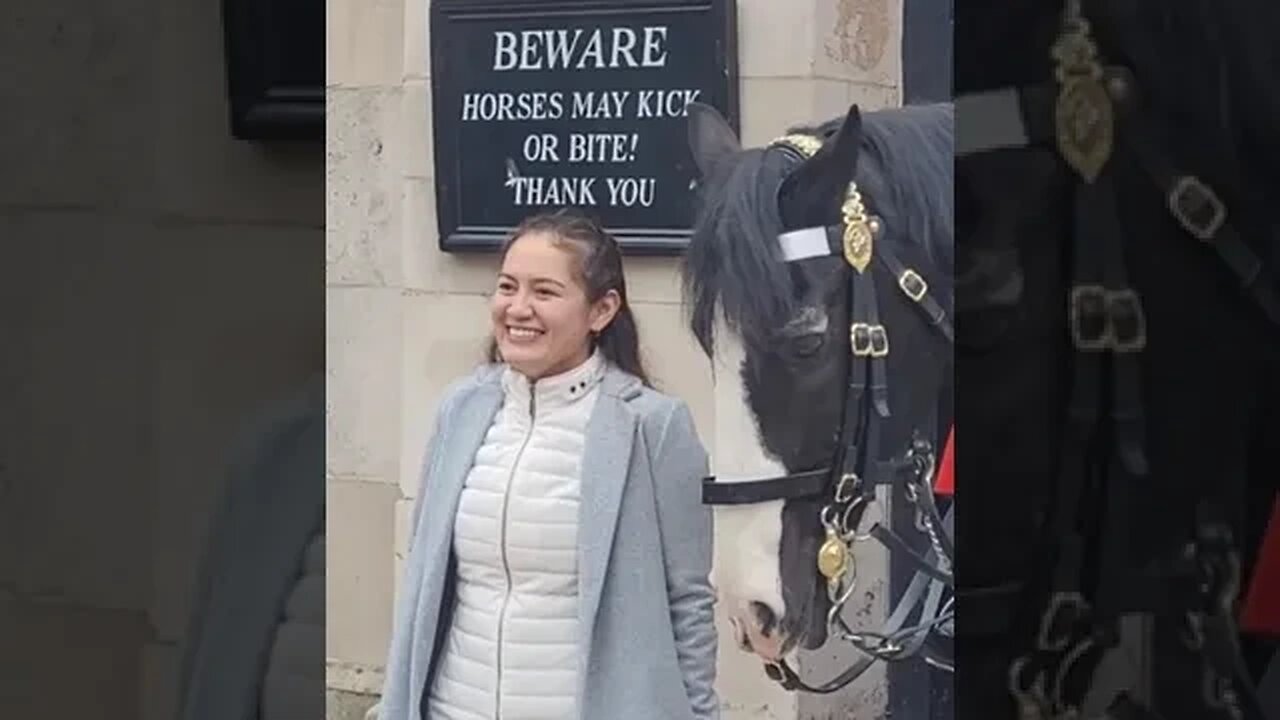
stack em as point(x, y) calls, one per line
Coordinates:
point(512, 649)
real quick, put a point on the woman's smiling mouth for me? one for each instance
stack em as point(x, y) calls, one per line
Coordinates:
point(522, 333)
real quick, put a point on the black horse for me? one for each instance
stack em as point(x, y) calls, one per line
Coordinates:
point(1117, 351)
point(828, 254)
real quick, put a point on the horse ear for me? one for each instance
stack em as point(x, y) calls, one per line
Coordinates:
point(828, 172)
point(710, 137)
point(843, 148)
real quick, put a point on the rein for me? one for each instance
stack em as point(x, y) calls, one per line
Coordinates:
point(849, 483)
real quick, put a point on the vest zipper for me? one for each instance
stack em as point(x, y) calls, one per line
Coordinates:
point(502, 547)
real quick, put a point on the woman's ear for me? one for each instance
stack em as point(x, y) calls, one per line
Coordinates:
point(604, 310)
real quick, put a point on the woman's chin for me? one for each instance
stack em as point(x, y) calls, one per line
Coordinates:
point(521, 358)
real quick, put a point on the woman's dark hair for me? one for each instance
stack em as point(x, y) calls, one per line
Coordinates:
point(599, 271)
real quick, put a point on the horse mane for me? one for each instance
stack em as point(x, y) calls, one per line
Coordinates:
point(905, 169)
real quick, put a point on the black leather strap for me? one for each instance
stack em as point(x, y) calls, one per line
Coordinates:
point(788, 487)
point(932, 310)
point(896, 544)
point(1226, 242)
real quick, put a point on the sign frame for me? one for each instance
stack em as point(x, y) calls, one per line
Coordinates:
point(454, 233)
point(263, 106)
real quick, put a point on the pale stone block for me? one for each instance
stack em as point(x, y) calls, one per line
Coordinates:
point(417, 39)
point(365, 42)
point(874, 97)
point(418, 141)
point(76, 662)
point(652, 279)
point(426, 266)
point(73, 132)
point(445, 337)
point(859, 40)
point(341, 705)
point(76, 460)
point(362, 233)
point(831, 99)
point(744, 690)
point(233, 353)
point(363, 398)
point(676, 363)
point(354, 677)
point(776, 39)
point(771, 105)
point(404, 520)
point(358, 580)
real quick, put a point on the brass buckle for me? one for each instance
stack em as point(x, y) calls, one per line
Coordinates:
point(1088, 306)
point(879, 341)
point(912, 284)
point(1189, 197)
point(1128, 323)
point(846, 487)
point(860, 339)
point(1060, 603)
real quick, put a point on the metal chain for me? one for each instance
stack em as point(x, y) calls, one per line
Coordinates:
point(835, 520)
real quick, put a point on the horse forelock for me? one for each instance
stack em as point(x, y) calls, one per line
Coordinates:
point(907, 170)
point(732, 268)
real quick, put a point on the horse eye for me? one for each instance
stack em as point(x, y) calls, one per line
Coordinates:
point(808, 344)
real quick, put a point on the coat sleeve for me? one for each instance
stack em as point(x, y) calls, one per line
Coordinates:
point(448, 402)
point(395, 697)
point(685, 524)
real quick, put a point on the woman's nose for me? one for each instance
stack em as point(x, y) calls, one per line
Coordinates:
point(519, 306)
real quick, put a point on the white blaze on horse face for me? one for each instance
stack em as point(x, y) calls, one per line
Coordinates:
point(745, 568)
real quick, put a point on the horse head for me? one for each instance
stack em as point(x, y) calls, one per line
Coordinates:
point(792, 310)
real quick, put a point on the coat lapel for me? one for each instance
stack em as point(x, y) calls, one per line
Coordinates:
point(605, 462)
point(457, 455)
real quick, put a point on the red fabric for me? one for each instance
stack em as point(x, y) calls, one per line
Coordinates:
point(945, 484)
point(1261, 611)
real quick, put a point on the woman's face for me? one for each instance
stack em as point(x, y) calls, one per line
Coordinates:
point(542, 320)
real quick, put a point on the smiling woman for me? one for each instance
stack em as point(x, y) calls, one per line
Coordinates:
point(561, 294)
point(560, 568)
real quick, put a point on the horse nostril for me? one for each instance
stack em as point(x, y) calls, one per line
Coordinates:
point(765, 616)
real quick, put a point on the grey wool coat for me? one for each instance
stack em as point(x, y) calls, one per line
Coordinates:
point(646, 605)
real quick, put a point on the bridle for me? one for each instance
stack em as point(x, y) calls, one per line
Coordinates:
point(849, 484)
point(1089, 114)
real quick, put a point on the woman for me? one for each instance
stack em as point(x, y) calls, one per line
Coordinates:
point(560, 552)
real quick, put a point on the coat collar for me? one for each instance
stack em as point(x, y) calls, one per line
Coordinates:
point(558, 390)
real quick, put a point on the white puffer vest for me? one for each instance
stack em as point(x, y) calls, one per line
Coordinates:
point(512, 650)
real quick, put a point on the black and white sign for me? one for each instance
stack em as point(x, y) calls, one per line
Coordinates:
point(539, 104)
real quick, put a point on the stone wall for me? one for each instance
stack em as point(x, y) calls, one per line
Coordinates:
point(156, 280)
point(405, 319)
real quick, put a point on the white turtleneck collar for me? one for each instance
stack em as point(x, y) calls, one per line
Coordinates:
point(558, 390)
